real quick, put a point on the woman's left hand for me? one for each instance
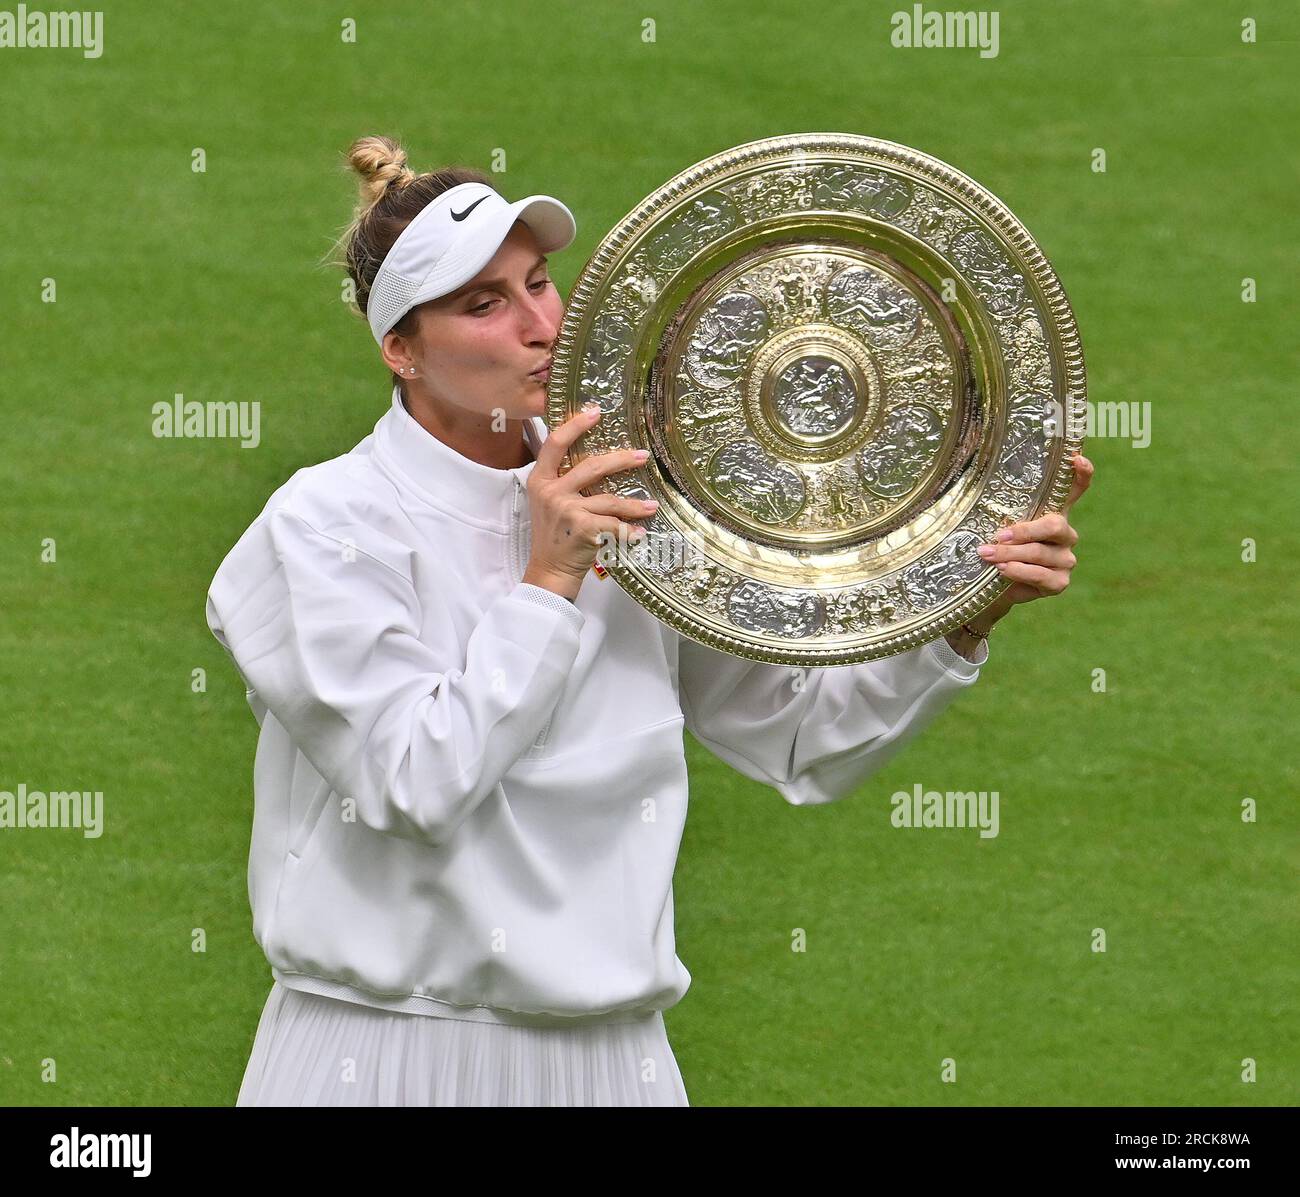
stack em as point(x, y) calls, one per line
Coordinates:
point(1036, 554)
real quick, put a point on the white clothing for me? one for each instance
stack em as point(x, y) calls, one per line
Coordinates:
point(318, 1051)
point(470, 792)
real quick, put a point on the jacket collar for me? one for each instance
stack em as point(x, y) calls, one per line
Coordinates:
point(446, 478)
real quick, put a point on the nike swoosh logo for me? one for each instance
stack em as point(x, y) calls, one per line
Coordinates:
point(475, 204)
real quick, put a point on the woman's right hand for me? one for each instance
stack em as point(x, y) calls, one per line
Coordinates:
point(567, 525)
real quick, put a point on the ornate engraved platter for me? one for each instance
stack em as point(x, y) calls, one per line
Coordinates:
point(851, 364)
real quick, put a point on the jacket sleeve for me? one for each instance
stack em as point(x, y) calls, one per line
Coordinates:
point(326, 636)
point(814, 735)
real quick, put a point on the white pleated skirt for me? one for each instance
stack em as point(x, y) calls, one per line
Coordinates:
point(312, 1050)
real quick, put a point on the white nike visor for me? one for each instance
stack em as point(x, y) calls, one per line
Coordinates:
point(451, 240)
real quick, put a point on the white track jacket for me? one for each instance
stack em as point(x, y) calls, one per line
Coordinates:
point(469, 792)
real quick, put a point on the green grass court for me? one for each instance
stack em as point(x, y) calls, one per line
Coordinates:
point(1119, 810)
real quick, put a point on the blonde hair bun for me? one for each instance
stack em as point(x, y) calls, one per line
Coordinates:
point(381, 163)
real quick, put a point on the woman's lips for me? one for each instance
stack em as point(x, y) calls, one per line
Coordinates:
point(542, 375)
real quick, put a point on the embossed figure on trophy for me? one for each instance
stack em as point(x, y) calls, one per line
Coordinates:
point(761, 492)
point(601, 378)
point(1004, 293)
point(891, 197)
point(796, 296)
point(718, 341)
point(853, 187)
point(885, 313)
point(882, 607)
point(1022, 454)
point(725, 336)
point(691, 418)
point(977, 253)
point(792, 188)
point(707, 221)
point(930, 370)
point(635, 291)
point(895, 463)
point(840, 187)
point(787, 615)
point(1031, 364)
point(703, 578)
point(875, 304)
point(600, 388)
point(846, 613)
point(704, 428)
point(939, 225)
point(815, 397)
point(830, 492)
point(1001, 287)
point(868, 607)
point(947, 571)
point(769, 491)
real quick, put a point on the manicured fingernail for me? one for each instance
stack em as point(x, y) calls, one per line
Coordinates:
point(986, 550)
point(1004, 534)
point(641, 454)
point(650, 504)
point(590, 410)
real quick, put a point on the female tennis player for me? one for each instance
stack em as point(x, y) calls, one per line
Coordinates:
point(470, 783)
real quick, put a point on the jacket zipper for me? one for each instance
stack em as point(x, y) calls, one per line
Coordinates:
point(517, 576)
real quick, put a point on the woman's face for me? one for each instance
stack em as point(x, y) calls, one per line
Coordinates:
point(478, 348)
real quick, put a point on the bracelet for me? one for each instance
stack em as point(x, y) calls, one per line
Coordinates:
point(978, 635)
